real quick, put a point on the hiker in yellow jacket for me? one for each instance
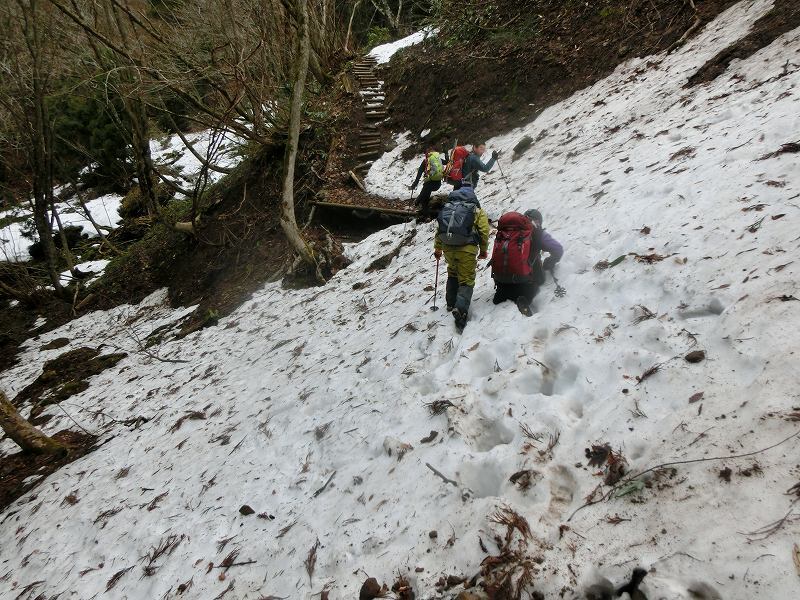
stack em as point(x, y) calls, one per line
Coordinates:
point(463, 237)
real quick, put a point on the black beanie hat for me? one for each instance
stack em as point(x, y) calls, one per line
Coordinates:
point(534, 215)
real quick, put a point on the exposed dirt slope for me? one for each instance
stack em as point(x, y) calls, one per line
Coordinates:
point(784, 17)
point(496, 68)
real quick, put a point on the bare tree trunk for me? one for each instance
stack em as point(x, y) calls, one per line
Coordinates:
point(303, 51)
point(25, 435)
point(42, 153)
point(350, 26)
point(88, 214)
point(382, 6)
point(65, 251)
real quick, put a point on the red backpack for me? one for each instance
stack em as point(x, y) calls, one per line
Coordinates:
point(460, 154)
point(512, 249)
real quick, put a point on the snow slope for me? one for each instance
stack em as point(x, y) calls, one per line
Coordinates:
point(384, 53)
point(300, 396)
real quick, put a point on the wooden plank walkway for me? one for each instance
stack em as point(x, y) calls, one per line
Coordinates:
point(382, 210)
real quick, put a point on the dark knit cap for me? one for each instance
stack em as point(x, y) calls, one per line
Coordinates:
point(534, 215)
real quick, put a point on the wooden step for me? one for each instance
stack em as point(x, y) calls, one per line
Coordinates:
point(399, 212)
point(370, 154)
point(357, 180)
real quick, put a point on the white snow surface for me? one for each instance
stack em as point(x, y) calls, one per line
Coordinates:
point(103, 209)
point(169, 153)
point(220, 149)
point(303, 388)
point(95, 267)
point(384, 53)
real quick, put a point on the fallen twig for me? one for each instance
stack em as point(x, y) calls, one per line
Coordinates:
point(630, 478)
point(322, 489)
point(439, 474)
point(772, 528)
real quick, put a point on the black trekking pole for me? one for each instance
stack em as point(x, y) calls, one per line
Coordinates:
point(505, 179)
point(436, 286)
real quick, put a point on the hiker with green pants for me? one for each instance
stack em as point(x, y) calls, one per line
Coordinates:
point(463, 237)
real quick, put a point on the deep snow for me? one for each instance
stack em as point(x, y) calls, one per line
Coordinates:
point(300, 388)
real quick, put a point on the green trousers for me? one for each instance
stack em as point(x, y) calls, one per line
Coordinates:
point(462, 261)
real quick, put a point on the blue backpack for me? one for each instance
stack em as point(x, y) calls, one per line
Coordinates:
point(456, 219)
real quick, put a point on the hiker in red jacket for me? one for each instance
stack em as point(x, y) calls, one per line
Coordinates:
point(517, 267)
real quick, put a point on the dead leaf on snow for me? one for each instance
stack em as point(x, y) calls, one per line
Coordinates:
point(695, 356)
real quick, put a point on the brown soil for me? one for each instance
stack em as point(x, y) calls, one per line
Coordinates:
point(784, 17)
point(479, 78)
point(16, 468)
point(17, 325)
point(64, 376)
point(240, 244)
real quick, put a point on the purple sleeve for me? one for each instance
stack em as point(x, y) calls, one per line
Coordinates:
point(551, 246)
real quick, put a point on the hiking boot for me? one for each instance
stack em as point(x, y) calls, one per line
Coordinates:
point(524, 306)
point(460, 317)
point(450, 308)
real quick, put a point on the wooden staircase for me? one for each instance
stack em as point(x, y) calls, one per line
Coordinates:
point(370, 146)
point(372, 97)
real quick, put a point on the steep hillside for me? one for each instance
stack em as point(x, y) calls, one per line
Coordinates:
point(495, 66)
point(319, 437)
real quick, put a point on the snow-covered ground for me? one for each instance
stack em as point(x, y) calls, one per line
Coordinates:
point(220, 148)
point(103, 209)
point(94, 268)
point(299, 404)
point(170, 154)
point(384, 53)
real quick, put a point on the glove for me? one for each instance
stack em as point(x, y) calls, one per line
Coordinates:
point(548, 264)
point(437, 254)
point(495, 155)
point(483, 255)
